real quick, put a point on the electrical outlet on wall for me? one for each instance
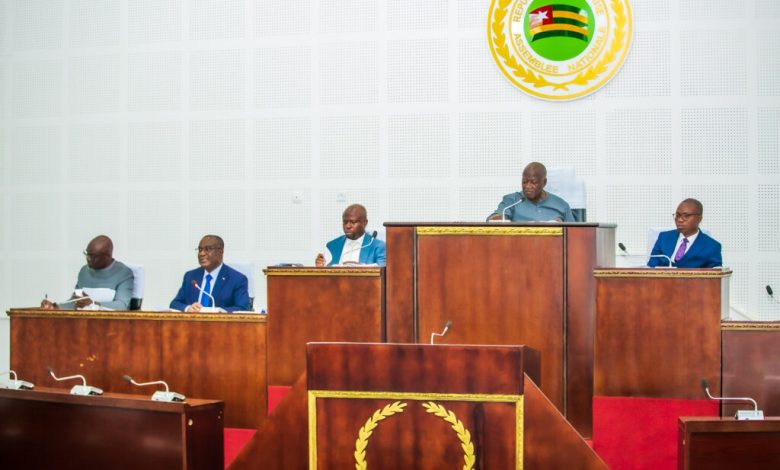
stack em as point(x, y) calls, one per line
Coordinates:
point(297, 197)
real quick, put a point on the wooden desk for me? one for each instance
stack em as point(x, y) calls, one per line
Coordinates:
point(504, 284)
point(726, 444)
point(221, 356)
point(751, 364)
point(658, 331)
point(319, 304)
point(49, 428)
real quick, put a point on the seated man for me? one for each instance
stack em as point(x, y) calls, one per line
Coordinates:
point(687, 247)
point(355, 246)
point(228, 287)
point(107, 280)
point(534, 203)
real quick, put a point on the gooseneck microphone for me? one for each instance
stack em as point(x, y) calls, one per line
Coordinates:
point(15, 383)
point(82, 389)
point(213, 307)
point(623, 249)
point(443, 332)
point(742, 415)
point(373, 237)
point(769, 291)
point(159, 395)
point(664, 257)
point(503, 212)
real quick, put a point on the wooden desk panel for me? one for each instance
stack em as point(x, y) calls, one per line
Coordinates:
point(493, 299)
point(319, 304)
point(725, 444)
point(657, 332)
point(751, 365)
point(216, 355)
point(49, 428)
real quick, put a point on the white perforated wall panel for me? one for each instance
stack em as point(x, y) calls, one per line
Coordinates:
point(155, 121)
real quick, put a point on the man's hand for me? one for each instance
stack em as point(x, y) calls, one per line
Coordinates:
point(195, 307)
point(48, 305)
point(496, 217)
point(320, 260)
point(83, 302)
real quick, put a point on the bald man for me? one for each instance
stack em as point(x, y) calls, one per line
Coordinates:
point(103, 276)
point(687, 246)
point(355, 246)
point(533, 203)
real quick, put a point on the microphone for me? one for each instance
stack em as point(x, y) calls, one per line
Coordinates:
point(15, 383)
point(623, 249)
point(742, 415)
point(82, 389)
point(159, 395)
point(351, 250)
point(664, 257)
point(503, 212)
point(213, 308)
point(771, 294)
point(443, 332)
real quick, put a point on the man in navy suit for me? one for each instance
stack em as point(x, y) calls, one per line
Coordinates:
point(228, 287)
point(355, 246)
point(687, 247)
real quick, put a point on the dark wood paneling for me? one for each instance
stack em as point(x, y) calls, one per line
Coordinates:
point(49, 428)
point(581, 325)
point(337, 305)
point(101, 350)
point(496, 290)
point(219, 359)
point(400, 284)
point(751, 365)
point(418, 368)
point(549, 440)
point(195, 355)
point(657, 332)
point(282, 440)
point(725, 444)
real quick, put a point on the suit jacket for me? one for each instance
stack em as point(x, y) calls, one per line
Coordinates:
point(230, 291)
point(704, 253)
point(373, 251)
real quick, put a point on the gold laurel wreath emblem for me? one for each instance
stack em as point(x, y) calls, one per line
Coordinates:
point(368, 428)
point(591, 73)
point(397, 407)
point(463, 434)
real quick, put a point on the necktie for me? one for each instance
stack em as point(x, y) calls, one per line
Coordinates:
point(681, 250)
point(205, 300)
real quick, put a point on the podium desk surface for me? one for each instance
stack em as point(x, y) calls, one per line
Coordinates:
point(36, 312)
point(109, 400)
point(499, 224)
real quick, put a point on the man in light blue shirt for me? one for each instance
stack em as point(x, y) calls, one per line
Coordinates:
point(534, 203)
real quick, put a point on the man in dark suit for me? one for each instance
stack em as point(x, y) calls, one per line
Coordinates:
point(228, 287)
point(687, 247)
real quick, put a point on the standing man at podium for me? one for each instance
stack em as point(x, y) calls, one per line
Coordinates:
point(533, 203)
point(686, 247)
point(102, 283)
point(214, 284)
point(355, 246)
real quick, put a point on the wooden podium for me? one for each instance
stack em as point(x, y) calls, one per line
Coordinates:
point(658, 331)
point(504, 284)
point(218, 356)
point(49, 428)
point(751, 364)
point(725, 444)
point(319, 304)
point(390, 406)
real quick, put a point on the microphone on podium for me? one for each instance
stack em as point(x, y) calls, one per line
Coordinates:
point(664, 257)
point(82, 389)
point(373, 237)
point(623, 249)
point(213, 308)
point(159, 395)
point(15, 383)
point(503, 212)
point(443, 332)
point(742, 415)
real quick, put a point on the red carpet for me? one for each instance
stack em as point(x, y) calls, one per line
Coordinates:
point(641, 433)
point(235, 440)
point(276, 394)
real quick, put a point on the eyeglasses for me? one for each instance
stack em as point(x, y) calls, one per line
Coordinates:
point(208, 249)
point(683, 215)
